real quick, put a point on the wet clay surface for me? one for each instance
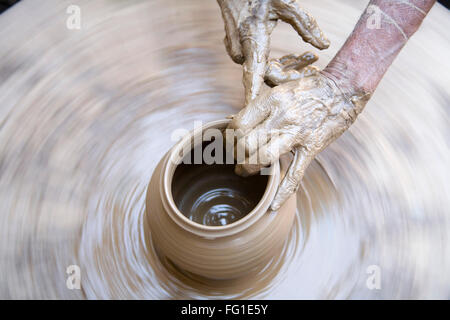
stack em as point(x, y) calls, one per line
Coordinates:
point(86, 115)
point(213, 195)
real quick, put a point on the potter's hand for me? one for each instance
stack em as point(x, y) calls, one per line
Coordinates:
point(306, 115)
point(248, 25)
point(303, 116)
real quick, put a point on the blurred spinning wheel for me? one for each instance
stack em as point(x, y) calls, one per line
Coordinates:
point(86, 114)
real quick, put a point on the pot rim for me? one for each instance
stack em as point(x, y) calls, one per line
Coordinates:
point(213, 231)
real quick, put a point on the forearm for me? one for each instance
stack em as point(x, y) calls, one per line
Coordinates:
point(381, 32)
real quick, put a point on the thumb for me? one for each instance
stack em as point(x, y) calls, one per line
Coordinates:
point(293, 177)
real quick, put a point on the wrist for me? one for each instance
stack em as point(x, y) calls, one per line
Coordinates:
point(340, 74)
point(347, 85)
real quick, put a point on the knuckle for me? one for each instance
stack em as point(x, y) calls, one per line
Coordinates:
point(232, 50)
point(237, 127)
point(291, 181)
point(270, 154)
point(237, 58)
point(277, 94)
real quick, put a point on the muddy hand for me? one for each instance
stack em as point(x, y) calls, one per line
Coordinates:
point(304, 116)
point(248, 25)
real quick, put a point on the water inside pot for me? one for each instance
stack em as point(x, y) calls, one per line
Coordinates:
point(212, 194)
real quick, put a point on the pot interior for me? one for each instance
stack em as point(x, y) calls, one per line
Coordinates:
point(207, 191)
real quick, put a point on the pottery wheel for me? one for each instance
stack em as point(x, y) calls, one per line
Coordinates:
point(86, 114)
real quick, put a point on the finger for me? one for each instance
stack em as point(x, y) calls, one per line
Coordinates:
point(306, 26)
point(293, 177)
point(231, 40)
point(255, 47)
point(255, 139)
point(276, 75)
point(298, 62)
point(290, 67)
point(266, 155)
point(252, 115)
point(287, 58)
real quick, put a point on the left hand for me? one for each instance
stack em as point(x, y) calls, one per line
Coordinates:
point(248, 25)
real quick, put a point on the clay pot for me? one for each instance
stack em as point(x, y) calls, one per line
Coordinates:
point(217, 252)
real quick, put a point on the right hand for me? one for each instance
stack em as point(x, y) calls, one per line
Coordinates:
point(303, 116)
point(248, 25)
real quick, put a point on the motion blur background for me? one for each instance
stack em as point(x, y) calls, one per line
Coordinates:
point(85, 115)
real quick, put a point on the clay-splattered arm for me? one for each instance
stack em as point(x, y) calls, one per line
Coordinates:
point(306, 115)
point(381, 32)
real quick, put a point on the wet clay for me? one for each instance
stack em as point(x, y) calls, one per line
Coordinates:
point(87, 114)
point(213, 195)
point(222, 252)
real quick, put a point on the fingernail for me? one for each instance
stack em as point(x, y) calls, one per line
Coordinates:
point(240, 171)
point(275, 206)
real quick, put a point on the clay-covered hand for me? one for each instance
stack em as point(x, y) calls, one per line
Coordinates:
point(248, 25)
point(304, 116)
